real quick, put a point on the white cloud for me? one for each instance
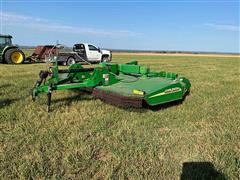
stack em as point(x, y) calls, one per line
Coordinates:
point(12, 19)
point(223, 27)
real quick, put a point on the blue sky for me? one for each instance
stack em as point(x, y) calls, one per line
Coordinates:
point(136, 24)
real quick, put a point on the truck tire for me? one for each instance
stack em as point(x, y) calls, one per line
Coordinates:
point(70, 61)
point(105, 58)
point(14, 56)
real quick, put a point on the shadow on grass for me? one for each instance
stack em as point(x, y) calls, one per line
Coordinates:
point(200, 170)
point(165, 105)
point(5, 86)
point(145, 107)
point(6, 102)
point(130, 109)
point(78, 97)
point(86, 95)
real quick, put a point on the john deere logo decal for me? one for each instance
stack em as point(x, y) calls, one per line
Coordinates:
point(168, 91)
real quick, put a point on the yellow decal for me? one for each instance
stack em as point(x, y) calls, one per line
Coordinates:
point(138, 92)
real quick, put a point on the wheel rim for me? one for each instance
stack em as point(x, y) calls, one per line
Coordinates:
point(71, 61)
point(17, 57)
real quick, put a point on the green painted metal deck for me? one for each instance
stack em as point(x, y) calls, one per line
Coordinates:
point(129, 83)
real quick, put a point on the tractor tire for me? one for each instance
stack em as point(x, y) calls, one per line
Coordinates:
point(14, 56)
point(70, 61)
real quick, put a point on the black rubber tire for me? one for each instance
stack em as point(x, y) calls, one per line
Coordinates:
point(70, 61)
point(105, 59)
point(8, 54)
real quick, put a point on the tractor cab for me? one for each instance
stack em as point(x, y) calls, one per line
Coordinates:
point(5, 40)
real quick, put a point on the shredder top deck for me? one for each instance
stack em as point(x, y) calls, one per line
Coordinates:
point(130, 83)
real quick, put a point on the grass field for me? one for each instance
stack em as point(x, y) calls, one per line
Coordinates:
point(83, 138)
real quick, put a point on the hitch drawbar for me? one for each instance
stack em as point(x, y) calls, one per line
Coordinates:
point(42, 79)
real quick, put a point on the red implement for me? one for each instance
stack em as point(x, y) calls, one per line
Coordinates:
point(41, 52)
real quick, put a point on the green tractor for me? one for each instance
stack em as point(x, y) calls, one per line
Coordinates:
point(9, 53)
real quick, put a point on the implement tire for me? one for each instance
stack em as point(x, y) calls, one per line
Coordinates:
point(14, 56)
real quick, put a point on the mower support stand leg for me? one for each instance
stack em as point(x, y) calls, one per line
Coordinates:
point(49, 97)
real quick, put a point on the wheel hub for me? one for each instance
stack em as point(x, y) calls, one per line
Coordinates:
point(17, 57)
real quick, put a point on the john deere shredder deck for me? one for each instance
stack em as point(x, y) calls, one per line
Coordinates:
point(128, 85)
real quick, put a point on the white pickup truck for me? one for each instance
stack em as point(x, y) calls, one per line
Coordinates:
point(84, 53)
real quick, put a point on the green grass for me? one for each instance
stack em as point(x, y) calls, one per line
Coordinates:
point(84, 138)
